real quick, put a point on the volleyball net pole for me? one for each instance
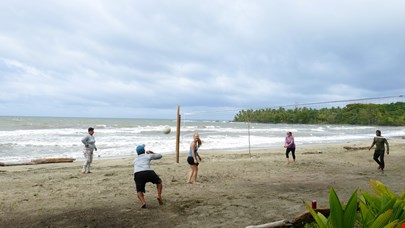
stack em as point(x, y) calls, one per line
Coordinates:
point(178, 134)
point(250, 154)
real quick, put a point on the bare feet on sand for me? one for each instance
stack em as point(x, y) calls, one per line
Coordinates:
point(159, 199)
point(85, 173)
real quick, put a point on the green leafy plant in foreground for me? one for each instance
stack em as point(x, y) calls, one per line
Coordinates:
point(381, 209)
point(339, 216)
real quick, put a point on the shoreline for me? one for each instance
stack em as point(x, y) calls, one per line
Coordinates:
point(260, 149)
point(236, 189)
point(274, 150)
point(306, 148)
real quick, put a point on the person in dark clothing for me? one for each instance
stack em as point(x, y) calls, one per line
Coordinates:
point(379, 152)
point(289, 144)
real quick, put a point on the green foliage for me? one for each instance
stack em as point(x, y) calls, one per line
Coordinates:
point(360, 114)
point(339, 216)
point(311, 225)
point(381, 209)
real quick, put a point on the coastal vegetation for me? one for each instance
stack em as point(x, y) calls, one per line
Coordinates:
point(382, 209)
point(392, 114)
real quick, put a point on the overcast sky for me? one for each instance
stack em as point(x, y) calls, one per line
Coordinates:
point(141, 59)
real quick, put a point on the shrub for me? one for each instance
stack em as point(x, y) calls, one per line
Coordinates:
point(381, 209)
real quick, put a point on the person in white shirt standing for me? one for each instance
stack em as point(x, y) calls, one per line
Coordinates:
point(89, 146)
point(143, 174)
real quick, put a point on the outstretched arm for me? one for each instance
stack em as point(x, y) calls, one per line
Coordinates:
point(155, 156)
point(372, 145)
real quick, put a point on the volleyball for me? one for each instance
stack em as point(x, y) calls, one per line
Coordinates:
point(167, 130)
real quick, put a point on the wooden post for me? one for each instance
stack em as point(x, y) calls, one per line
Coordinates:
point(248, 117)
point(178, 134)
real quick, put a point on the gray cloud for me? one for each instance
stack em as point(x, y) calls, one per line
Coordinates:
point(142, 59)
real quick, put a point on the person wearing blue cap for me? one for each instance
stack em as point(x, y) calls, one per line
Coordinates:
point(143, 173)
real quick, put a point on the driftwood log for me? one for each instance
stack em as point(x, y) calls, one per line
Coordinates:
point(298, 221)
point(52, 160)
point(15, 163)
point(312, 152)
point(356, 148)
point(306, 217)
point(281, 223)
point(39, 161)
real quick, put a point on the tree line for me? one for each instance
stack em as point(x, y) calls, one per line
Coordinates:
point(392, 114)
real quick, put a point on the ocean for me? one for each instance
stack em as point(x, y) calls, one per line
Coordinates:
point(26, 138)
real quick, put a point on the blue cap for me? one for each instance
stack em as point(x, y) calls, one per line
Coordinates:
point(140, 149)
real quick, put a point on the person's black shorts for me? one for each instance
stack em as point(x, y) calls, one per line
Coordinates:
point(141, 178)
point(190, 161)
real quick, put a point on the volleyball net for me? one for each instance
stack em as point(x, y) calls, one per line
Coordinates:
point(185, 120)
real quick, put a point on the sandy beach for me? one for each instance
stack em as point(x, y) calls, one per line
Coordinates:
point(236, 190)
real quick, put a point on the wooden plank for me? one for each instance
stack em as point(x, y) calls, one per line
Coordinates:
point(52, 160)
point(281, 223)
point(356, 148)
point(39, 161)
